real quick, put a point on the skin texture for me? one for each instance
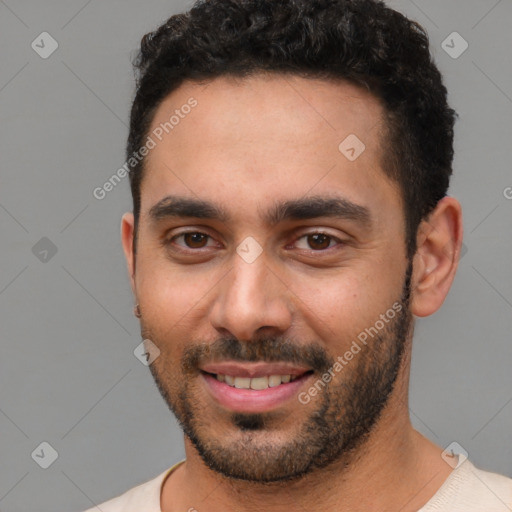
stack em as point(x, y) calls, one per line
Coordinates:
point(247, 145)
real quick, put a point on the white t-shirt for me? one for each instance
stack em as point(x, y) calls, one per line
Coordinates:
point(467, 489)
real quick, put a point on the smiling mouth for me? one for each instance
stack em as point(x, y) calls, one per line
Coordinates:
point(257, 383)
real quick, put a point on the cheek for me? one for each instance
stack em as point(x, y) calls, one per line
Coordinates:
point(172, 299)
point(338, 308)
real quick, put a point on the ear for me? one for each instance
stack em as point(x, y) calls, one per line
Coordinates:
point(439, 241)
point(127, 232)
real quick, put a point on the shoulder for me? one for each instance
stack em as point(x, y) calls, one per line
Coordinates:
point(470, 489)
point(491, 489)
point(143, 498)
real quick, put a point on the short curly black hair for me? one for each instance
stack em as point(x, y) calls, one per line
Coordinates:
point(361, 41)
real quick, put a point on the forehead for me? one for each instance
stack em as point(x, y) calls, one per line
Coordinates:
point(266, 136)
point(268, 104)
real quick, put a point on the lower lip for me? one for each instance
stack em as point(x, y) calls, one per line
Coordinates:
point(250, 400)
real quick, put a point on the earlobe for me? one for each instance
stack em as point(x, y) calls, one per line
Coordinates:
point(127, 232)
point(439, 242)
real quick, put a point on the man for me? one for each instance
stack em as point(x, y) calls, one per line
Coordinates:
point(289, 167)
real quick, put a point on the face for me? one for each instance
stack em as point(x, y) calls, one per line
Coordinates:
point(271, 263)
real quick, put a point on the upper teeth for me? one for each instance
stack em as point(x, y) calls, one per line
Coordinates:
point(256, 382)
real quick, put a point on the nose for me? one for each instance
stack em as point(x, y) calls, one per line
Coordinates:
point(251, 298)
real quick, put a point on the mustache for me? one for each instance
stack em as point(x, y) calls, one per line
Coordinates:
point(265, 349)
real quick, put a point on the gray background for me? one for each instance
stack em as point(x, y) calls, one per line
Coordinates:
point(68, 375)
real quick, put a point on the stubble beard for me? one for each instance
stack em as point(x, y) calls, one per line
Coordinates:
point(340, 419)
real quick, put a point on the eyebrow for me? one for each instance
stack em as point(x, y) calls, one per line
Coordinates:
point(294, 209)
point(318, 206)
point(176, 206)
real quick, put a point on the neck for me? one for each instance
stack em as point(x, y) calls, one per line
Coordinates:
point(396, 468)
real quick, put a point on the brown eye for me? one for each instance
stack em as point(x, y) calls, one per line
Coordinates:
point(319, 241)
point(195, 240)
point(190, 242)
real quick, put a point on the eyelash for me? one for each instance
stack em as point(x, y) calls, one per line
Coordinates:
point(185, 249)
